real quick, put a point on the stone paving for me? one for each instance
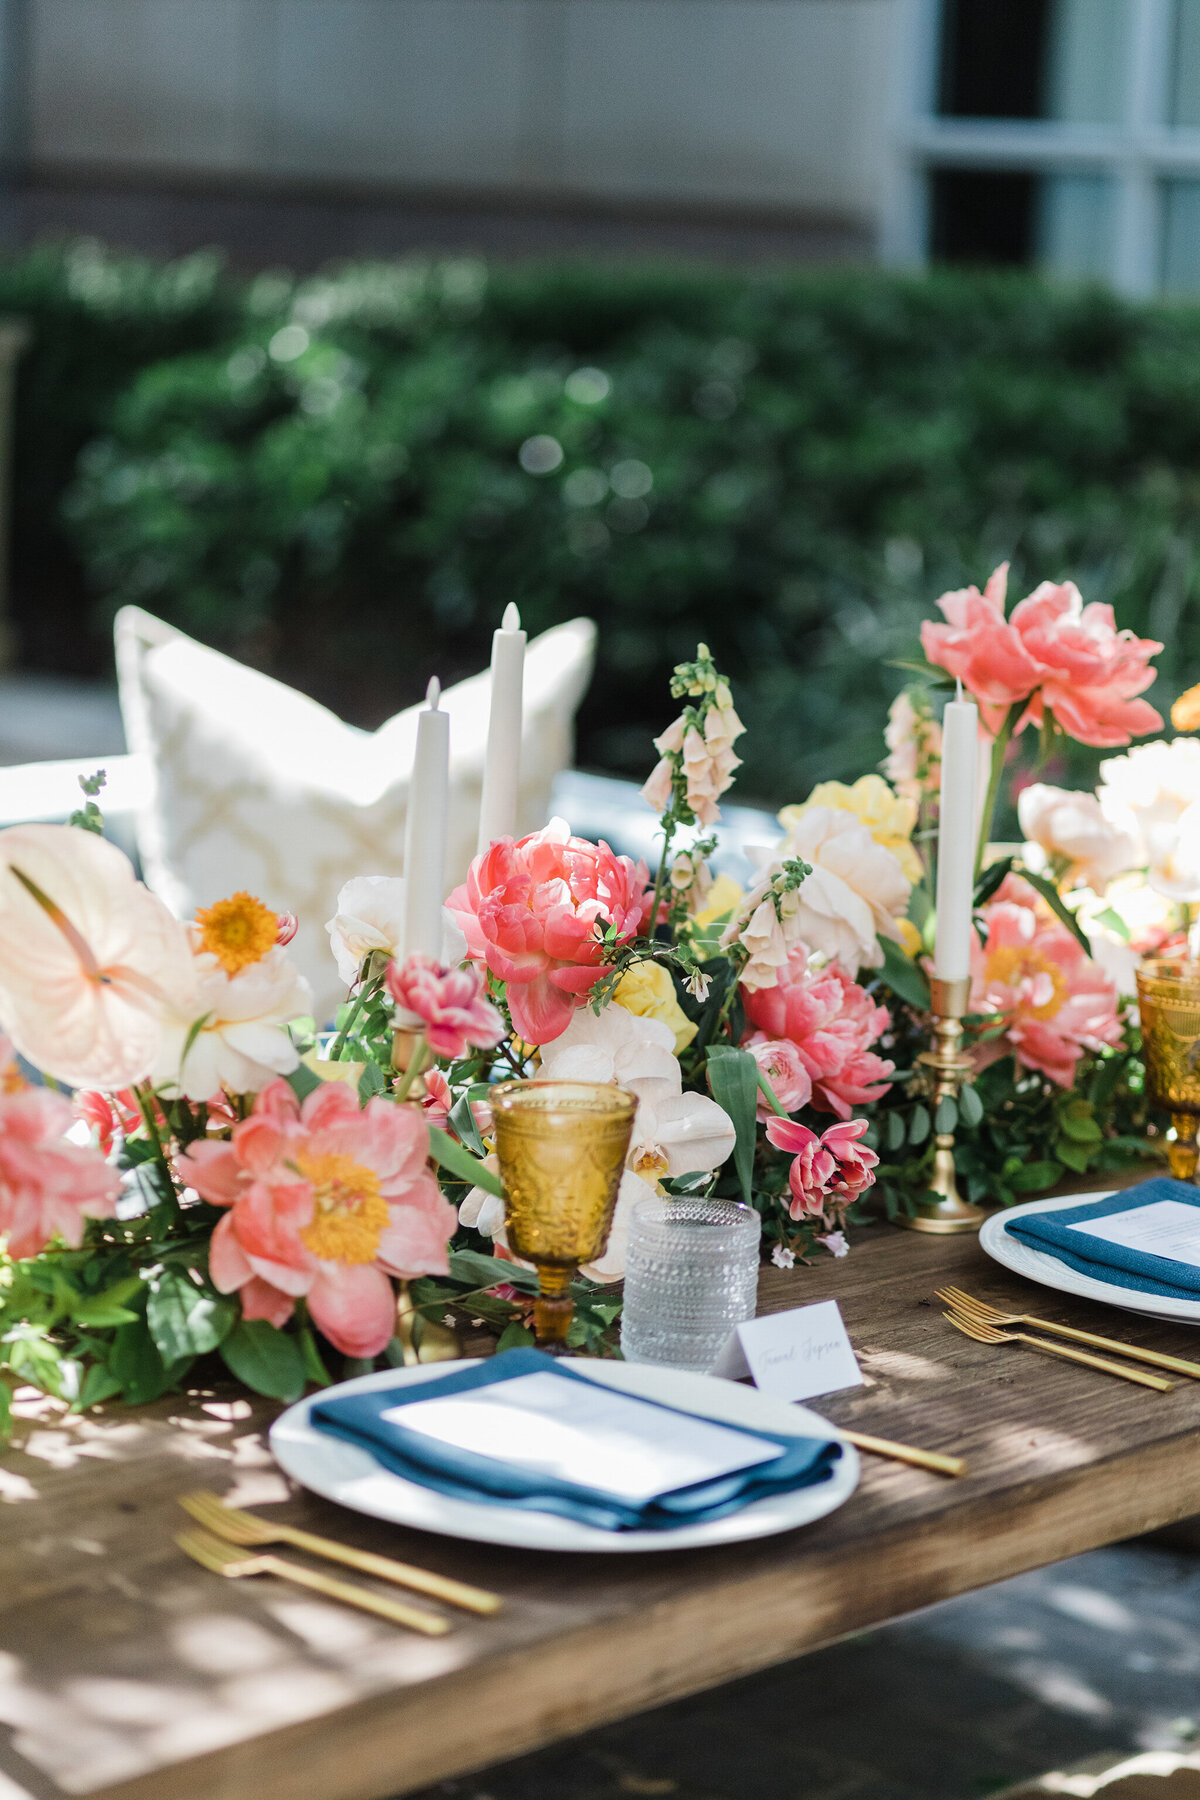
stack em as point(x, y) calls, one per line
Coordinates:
point(1100, 1653)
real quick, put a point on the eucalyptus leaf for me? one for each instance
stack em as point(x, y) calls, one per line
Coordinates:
point(946, 1116)
point(970, 1107)
point(893, 1131)
point(918, 1124)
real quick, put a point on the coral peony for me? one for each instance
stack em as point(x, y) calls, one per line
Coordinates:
point(326, 1200)
point(831, 1170)
point(1088, 672)
point(535, 911)
point(450, 1002)
point(47, 1186)
point(981, 648)
point(833, 1023)
point(1074, 829)
point(1056, 1002)
point(89, 958)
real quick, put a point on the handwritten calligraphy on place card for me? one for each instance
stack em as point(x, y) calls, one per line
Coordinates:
point(795, 1355)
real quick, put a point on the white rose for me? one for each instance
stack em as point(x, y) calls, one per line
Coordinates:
point(370, 916)
point(1075, 826)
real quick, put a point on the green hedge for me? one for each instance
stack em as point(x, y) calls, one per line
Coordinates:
point(328, 476)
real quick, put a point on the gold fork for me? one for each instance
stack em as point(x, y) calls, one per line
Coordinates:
point(990, 1334)
point(246, 1529)
point(991, 1315)
point(226, 1559)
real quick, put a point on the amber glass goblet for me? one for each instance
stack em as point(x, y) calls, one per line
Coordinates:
point(562, 1147)
point(1169, 1002)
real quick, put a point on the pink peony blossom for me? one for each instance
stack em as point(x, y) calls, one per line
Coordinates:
point(451, 1003)
point(1088, 671)
point(1054, 652)
point(981, 648)
point(830, 1170)
point(326, 1200)
point(832, 1022)
point(784, 1067)
point(535, 910)
point(1055, 1001)
point(47, 1186)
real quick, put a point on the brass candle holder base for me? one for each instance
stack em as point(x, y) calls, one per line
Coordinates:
point(950, 1213)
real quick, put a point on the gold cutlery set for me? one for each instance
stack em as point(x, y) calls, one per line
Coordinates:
point(988, 1325)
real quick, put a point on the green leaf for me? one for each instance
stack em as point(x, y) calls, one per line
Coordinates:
point(302, 1081)
point(98, 1384)
point(480, 1271)
point(5, 1410)
point(1053, 899)
point(314, 1368)
point(463, 1119)
point(136, 1363)
point(902, 975)
point(183, 1320)
point(918, 1124)
point(991, 878)
point(98, 1314)
point(265, 1359)
point(371, 1082)
point(460, 1162)
point(733, 1078)
point(1111, 918)
point(1075, 1156)
point(970, 1107)
point(515, 1337)
point(1082, 1130)
point(1030, 1177)
point(946, 1116)
point(893, 1130)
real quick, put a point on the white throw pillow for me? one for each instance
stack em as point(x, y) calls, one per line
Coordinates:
point(256, 786)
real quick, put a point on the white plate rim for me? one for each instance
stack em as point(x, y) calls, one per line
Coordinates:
point(1047, 1271)
point(350, 1477)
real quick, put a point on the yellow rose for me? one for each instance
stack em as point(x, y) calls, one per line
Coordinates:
point(910, 938)
point(648, 991)
point(722, 899)
point(332, 1071)
point(888, 817)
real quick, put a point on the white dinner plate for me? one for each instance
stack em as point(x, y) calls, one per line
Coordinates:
point(343, 1472)
point(1023, 1259)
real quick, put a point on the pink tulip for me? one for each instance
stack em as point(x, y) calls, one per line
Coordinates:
point(535, 910)
point(832, 1022)
point(833, 1169)
point(450, 1001)
point(47, 1186)
point(326, 1200)
point(287, 925)
point(1054, 1000)
point(1089, 671)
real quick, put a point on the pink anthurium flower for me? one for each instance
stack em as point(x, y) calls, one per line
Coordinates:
point(89, 958)
point(327, 1200)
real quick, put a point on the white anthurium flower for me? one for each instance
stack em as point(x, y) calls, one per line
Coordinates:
point(370, 916)
point(242, 1041)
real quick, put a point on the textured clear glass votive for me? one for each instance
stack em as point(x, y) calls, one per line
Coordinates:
point(691, 1275)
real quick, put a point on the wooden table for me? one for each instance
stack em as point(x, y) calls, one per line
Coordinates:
point(128, 1673)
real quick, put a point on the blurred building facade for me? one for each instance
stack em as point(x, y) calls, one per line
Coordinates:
point(1063, 133)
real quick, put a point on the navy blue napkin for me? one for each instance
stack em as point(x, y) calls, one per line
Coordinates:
point(465, 1475)
point(1119, 1264)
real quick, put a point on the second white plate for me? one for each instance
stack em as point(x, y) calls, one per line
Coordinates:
point(1036, 1265)
point(342, 1472)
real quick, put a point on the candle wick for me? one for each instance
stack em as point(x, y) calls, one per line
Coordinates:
point(512, 618)
point(958, 684)
point(433, 693)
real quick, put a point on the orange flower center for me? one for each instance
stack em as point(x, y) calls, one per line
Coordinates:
point(237, 931)
point(350, 1214)
point(11, 1079)
point(1185, 714)
point(1014, 966)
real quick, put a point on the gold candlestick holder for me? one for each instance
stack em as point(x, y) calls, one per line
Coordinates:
point(950, 1213)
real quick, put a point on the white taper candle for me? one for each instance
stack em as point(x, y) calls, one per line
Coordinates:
point(956, 840)
point(425, 830)
point(502, 765)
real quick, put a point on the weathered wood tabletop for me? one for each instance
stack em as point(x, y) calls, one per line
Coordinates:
point(128, 1673)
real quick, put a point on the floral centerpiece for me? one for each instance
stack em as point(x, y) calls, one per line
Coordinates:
point(189, 1169)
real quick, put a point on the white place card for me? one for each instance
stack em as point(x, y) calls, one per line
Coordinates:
point(581, 1432)
point(1166, 1228)
point(795, 1355)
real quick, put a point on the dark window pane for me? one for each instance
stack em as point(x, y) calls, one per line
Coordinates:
point(982, 216)
point(994, 58)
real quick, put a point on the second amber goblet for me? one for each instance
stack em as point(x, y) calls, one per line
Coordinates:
point(1169, 1003)
point(562, 1147)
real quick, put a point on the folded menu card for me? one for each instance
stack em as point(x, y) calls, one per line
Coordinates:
point(523, 1430)
point(1147, 1238)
